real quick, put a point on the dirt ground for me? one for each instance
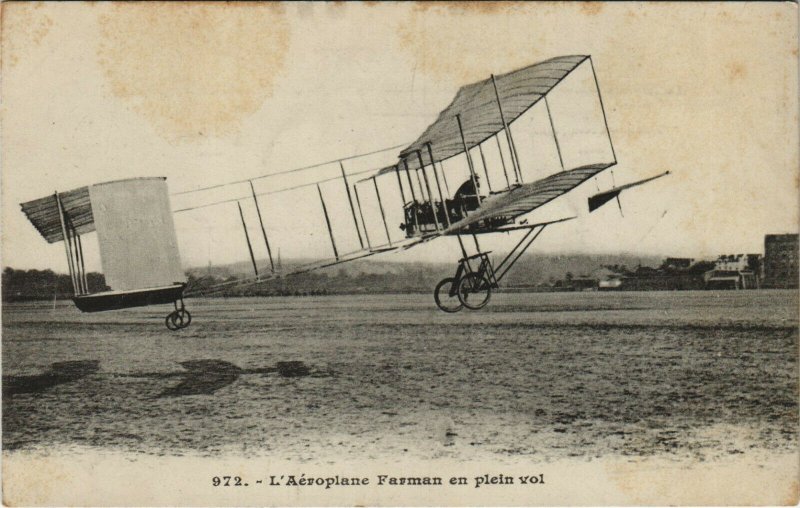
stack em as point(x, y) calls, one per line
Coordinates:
point(689, 375)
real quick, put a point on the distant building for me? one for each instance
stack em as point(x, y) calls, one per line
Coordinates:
point(781, 261)
point(673, 274)
point(610, 284)
point(583, 284)
point(735, 271)
point(677, 264)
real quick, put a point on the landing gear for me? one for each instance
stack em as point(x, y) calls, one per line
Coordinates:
point(446, 297)
point(179, 318)
point(474, 291)
point(472, 288)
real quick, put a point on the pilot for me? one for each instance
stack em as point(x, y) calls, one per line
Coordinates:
point(466, 196)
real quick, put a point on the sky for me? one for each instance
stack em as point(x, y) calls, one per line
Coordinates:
point(210, 93)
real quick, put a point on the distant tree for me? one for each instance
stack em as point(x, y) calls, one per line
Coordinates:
point(20, 285)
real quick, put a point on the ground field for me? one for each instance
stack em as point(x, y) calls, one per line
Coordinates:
point(694, 375)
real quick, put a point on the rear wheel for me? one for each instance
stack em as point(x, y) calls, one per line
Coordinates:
point(183, 318)
point(178, 319)
point(169, 321)
point(442, 296)
point(474, 291)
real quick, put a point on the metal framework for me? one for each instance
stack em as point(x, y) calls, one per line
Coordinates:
point(503, 162)
point(400, 183)
point(413, 195)
point(438, 185)
point(511, 147)
point(469, 158)
point(263, 230)
point(73, 248)
point(358, 202)
point(555, 135)
point(350, 200)
point(471, 279)
point(444, 178)
point(247, 238)
point(430, 194)
point(328, 223)
point(383, 215)
point(503, 268)
point(485, 167)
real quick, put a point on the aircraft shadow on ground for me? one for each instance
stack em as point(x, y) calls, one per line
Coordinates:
point(59, 373)
point(204, 377)
point(200, 377)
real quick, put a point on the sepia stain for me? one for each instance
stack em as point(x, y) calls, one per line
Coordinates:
point(27, 481)
point(466, 7)
point(794, 494)
point(591, 8)
point(736, 71)
point(22, 26)
point(455, 50)
point(628, 480)
point(193, 69)
point(449, 41)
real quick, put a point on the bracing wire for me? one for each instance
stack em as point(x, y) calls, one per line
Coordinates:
point(288, 171)
point(278, 191)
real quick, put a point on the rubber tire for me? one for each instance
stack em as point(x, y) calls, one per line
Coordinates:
point(469, 281)
point(437, 291)
point(185, 318)
point(178, 319)
point(170, 321)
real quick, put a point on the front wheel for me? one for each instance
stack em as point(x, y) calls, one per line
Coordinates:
point(442, 296)
point(474, 291)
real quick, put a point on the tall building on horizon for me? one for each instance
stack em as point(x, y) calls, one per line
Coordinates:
point(781, 261)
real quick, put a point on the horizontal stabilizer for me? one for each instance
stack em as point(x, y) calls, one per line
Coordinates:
point(602, 198)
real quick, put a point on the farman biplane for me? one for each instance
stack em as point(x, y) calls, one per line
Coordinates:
point(504, 147)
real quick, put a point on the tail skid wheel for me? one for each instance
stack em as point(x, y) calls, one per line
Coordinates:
point(474, 291)
point(442, 296)
point(178, 319)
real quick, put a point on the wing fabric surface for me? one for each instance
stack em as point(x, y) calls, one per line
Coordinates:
point(43, 213)
point(521, 200)
point(136, 234)
point(557, 124)
point(477, 105)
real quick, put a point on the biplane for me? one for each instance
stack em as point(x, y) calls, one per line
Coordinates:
point(504, 147)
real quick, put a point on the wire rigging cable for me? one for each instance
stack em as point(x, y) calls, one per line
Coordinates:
point(278, 191)
point(288, 171)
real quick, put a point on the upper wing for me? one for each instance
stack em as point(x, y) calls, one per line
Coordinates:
point(477, 105)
